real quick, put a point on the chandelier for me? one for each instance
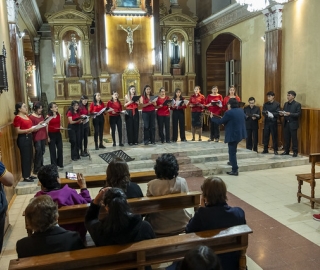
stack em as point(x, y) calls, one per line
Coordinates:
point(255, 5)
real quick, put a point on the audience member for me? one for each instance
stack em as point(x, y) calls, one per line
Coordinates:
point(42, 218)
point(50, 185)
point(120, 226)
point(6, 179)
point(215, 213)
point(118, 176)
point(167, 182)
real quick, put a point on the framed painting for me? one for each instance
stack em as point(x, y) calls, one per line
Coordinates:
point(129, 3)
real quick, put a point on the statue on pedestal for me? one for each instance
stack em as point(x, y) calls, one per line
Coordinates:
point(175, 51)
point(73, 50)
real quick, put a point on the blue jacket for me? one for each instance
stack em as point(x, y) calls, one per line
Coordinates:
point(234, 121)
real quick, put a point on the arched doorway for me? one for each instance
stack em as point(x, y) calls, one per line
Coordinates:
point(223, 63)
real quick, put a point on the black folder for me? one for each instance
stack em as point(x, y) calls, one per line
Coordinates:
point(135, 98)
point(167, 102)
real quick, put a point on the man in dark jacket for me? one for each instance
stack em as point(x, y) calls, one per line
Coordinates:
point(235, 131)
point(291, 112)
point(253, 115)
point(271, 112)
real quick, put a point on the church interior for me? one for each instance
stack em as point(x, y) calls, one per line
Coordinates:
point(60, 50)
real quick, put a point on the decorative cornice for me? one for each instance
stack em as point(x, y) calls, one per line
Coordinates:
point(30, 14)
point(68, 16)
point(178, 19)
point(229, 16)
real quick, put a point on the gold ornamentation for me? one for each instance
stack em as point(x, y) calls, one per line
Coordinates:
point(74, 89)
point(88, 5)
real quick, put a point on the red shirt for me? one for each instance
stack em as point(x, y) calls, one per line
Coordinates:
point(214, 108)
point(40, 134)
point(197, 99)
point(164, 110)
point(74, 116)
point(116, 106)
point(22, 123)
point(54, 124)
point(150, 107)
point(83, 110)
point(96, 108)
point(226, 100)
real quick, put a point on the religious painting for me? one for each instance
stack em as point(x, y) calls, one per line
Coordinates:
point(128, 3)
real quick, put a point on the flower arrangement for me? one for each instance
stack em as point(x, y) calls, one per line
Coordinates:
point(29, 68)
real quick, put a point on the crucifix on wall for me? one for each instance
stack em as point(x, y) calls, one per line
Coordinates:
point(130, 29)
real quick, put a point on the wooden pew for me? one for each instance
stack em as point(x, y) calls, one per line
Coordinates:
point(99, 180)
point(140, 254)
point(145, 205)
point(309, 178)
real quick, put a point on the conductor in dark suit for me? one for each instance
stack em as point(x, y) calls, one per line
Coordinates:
point(253, 115)
point(235, 130)
point(291, 112)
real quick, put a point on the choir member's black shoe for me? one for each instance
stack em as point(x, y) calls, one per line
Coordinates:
point(114, 144)
point(130, 144)
point(121, 144)
point(97, 148)
point(216, 140)
point(233, 173)
point(168, 142)
point(135, 143)
point(284, 153)
point(28, 180)
point(295, 154)
point(32, 177)
point(184, 140)
point(200, 139)
point(210, 140)
point(193, 139)
point(276, 152)
point(101, 146)
point(75, 159)
point(264, 152)
point(174, 141)
point(146, 143)
point(229, 163)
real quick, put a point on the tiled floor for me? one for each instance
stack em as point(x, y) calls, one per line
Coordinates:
point(284, 234)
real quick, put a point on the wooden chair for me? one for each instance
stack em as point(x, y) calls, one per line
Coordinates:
point(140, 254)
point(94, 181)
point(309, 178)
point(145, 205)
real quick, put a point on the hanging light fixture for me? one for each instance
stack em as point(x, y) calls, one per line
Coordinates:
point(256, 5)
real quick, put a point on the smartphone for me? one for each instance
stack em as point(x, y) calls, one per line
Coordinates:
point(70, 175)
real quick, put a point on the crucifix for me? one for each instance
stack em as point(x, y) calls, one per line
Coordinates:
point(129, 28)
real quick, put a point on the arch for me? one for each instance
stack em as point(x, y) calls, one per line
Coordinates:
point(223, 63)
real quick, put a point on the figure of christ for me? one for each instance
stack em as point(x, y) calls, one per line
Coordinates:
point(73, 50)
point(130, 36)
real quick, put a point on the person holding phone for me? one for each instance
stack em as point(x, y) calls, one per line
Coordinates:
point(214, 104)
point(74, 119)
point(132, 116)
point(24, 128)
point(148, 115)
point(39, 137)
point(64, 195)
point(54, 136)
point(84, 127)
point(115, 118)
point(178, 116)
point(163, 115)
point(98, 121)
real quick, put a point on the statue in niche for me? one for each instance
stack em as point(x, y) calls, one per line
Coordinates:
point(175, 51)
point(73, 50)
point(130, 36)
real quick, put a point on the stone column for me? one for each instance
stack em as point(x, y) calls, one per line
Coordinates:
point(37, 63)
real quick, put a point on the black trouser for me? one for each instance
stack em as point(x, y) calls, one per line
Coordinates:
point(149, 119)
point(164, 121)
point(98, 124)
point(132, 124)
point(270, 127)
point(252, 139)
point(24, 142)
point(232, 149)
point(84, 132)
point(288, 135)
point(74, 139)
point(214, 131)
point(115, 121)
point(178, 116)
point(55, 148)
point(40, 148)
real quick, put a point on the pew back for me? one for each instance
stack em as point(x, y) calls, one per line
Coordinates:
point(140, 254)
point(94, 181)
